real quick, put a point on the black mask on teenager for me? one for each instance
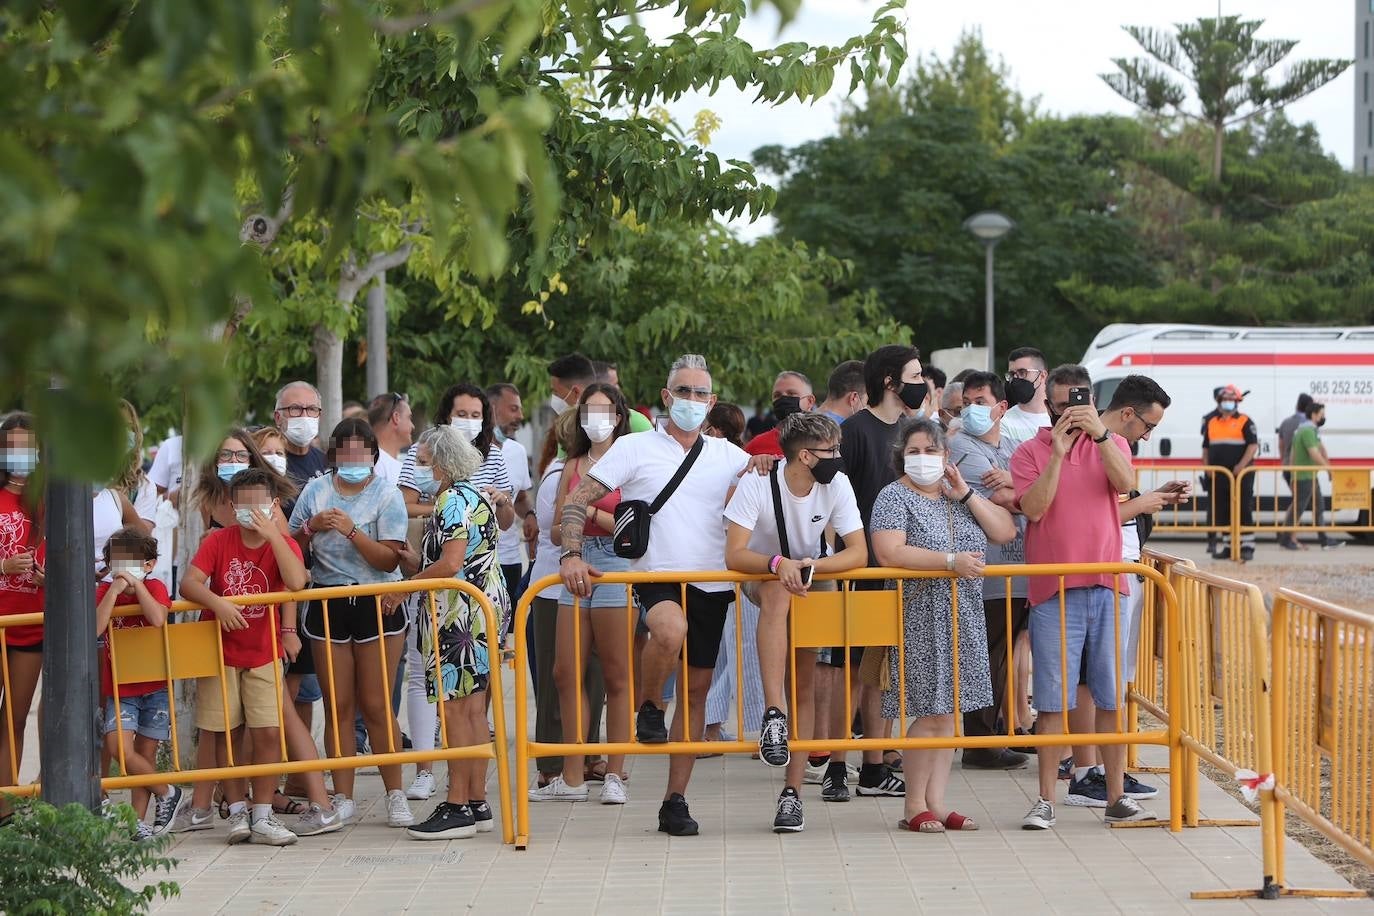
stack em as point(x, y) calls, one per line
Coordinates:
point(913, 394)
point(1322, 421)
point(825, 469)
point(1020, 390)
point(785, 406)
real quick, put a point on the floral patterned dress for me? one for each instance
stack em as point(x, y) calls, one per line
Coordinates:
point(460, 642)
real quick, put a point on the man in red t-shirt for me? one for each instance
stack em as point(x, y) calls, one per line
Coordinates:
point(251, 558)
point(141, 718)
point(791, 394)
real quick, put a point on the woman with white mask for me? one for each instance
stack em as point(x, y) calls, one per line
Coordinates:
point(466, 408)
point(601, 618)
point(929, 519)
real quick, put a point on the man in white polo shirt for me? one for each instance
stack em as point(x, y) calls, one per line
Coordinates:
point(687, 534)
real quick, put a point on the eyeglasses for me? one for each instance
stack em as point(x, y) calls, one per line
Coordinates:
point(817, 451)
point(686, 391)
point(227, 456)
point(1149, 427)
point(296, 410)
point(1024, 373)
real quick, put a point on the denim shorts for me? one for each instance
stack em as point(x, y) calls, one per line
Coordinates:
point(1094, 633)
point(598, 553)
point(147, 715)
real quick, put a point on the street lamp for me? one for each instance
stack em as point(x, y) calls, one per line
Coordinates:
point(989, 227)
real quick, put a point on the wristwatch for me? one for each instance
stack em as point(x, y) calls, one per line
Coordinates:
point(1106, 434)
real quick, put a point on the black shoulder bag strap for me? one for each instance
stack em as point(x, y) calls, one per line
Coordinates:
point(682, 470)
point(778, 517)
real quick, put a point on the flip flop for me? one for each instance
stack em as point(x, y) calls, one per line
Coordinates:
point(956, 821)
point(925, 822)
point(291, 806)
point(595, 773)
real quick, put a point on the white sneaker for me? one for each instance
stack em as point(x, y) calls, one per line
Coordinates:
point(398, 812)
point(422, 786)
point(315, 821)
point(238, 828)
point(344, 807)
point(558, 790)
point(613, 790)
point(269, 831)
point(188, 819)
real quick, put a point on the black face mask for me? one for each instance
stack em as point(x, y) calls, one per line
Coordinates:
point(1020, 390)
point(825, 469)
point(913, 394)
point(784, 407)
point(1322, 421)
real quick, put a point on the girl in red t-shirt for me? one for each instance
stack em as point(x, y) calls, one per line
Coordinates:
point(22, 559)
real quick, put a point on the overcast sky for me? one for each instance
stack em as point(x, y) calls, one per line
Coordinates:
point(1055, 49)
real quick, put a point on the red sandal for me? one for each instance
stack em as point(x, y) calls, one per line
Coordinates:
point(956, 821)
point(925, 822)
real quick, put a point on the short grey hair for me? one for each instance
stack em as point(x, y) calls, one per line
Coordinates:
point(792, 373)
point(451, 455)
point(281, 392)
point(953, 396)
point(910, 428)
point(803, 430)
point(1070, 374)
point(688, 361)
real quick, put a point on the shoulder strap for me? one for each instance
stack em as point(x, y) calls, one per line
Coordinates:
point(778, 517)
point(682, 470)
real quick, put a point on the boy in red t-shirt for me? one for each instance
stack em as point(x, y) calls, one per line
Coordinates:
point(142, 716)
point(251, 558)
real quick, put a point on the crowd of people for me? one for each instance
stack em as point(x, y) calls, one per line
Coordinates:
point(897, 466)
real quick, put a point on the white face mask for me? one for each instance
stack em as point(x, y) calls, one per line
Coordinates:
point(131, 568)
point(598, 429)
point(301, 431)
point(558, 404)
point(468, 426)
point(1228, 405)
point(276, 462)
point(924, 470)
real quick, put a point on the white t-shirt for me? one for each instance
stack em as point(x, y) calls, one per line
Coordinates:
point(1021, 425)
point(518, 472)
point(687, 533)
point(108, 517)
point(806, 516)
point(387, 467)
point(145, 500)
point(166, 469)
point(546, 554)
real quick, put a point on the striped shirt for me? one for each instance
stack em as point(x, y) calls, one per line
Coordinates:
point(492, 473)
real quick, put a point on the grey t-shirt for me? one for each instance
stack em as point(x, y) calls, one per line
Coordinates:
point(974, 458)
point(379, 511)
point(1287, 430)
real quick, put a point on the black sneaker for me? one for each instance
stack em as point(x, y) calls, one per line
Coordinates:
point(448, 822)
point(993, 758)
point(835, 785)
point(166, 809)
point(673, 817)
point(878, 779)
point(789, 817)
point(773, 738)
point(1247, 554)
point(481, 814)
point(1066, 768)
point(649, 727)
point(1134, 788)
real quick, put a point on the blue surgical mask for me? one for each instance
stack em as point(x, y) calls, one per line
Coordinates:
point(227, 470)
point(688, 415)
point(20, 461)
point(354, 473)
point(500, 436)
point(244, 514)
point(977, 419)
point(424, 480)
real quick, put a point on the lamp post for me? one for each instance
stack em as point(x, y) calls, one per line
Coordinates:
point(989, 227)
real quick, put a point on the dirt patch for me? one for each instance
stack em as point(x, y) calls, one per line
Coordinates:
point(1347, 584)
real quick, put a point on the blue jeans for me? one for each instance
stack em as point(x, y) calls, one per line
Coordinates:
point(1093, 635)
point(148, 715)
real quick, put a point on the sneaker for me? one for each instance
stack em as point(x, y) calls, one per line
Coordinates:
point(674, 818)
point(1128, 809)
point(143, 832)
point(344, 807)
point(448, 822)
point(789, 817)
point(1332, 545)
point(269, 831)
point(481, 814)
point(1134, 788)
point(815, 774)
point(1088, 792)
point(835, 786)
point(773, 738)
point(1247, 554)
point(1040, 816)
point(188, 819)
point(315, 821)
point(613, 791)
point(558, 790)
point(993, 758)
point(1289, 544)
point(649, 726)
point(878, 779)
point(1066, 768)
point(422, 786)
point(167, 809)
point(398, 812)
point(239, 831)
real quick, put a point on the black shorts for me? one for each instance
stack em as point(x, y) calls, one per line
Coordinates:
point(350, 620)
point(36, 647)
point(705, 616)
point(834, 656)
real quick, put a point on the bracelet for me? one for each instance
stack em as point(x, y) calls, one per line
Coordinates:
point(773, 565)
point(352, 534)
point(570, 553)
point(309, 532)
point(949, 562)
point(967, 497)
point(529, 513)
point(288, 629)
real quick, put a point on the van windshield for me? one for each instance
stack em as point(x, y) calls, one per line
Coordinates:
point(1103, 390)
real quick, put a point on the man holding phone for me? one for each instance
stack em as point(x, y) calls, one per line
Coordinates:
point(1068, 481)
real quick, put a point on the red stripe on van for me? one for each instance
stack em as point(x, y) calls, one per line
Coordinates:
point(1244, 359)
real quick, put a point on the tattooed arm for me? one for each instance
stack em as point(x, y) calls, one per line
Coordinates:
point(577, 575)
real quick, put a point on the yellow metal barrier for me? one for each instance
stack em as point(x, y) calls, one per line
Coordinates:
point(1150, 689)
point(1324, 726)
point(1192, 515)
point(846, 618)
point(1350, 492)
point(194, 649)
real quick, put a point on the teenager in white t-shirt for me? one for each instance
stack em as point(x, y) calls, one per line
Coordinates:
point(1026, 374)
point(813, 494)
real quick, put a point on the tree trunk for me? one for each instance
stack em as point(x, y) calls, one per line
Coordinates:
point(328, 348)
point(190, 531)
point(376, 337)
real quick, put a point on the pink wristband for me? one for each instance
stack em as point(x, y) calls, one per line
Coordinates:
point(774, 563)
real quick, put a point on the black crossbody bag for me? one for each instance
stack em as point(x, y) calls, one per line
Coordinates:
point(632, 516)
point(778, 517)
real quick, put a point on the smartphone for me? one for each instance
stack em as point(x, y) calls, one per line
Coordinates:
point(806, 573)
point(1079, 397)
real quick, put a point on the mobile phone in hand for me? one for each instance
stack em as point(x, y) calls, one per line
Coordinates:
point(1079, 397)
point(806, 573)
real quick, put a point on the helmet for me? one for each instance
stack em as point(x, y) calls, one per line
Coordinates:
point(1230, 393)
